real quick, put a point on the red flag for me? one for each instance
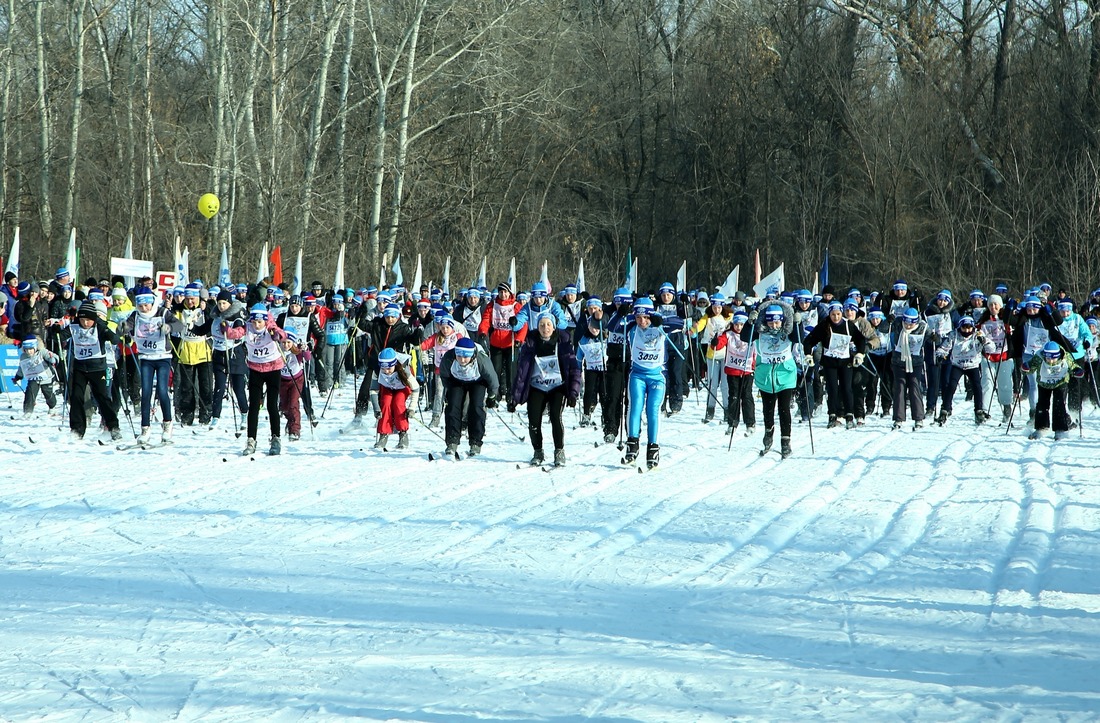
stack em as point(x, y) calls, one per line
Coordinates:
point(277, 265)
point(756, 270)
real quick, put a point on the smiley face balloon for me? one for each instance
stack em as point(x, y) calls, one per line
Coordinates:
point(209, 205)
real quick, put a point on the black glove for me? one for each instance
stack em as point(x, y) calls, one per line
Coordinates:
point(238, 323)
point(511, 407)
point(571, 402)
point(513, 322)
point(490, 402)
point(1085, 343)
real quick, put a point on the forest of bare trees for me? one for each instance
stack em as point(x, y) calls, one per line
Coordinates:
point(953, 143)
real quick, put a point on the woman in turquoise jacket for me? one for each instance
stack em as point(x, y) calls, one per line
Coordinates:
point(776, 373)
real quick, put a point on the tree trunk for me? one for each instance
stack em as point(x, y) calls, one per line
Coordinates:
point(342, 200)
point(45, 209)
point(78, 31)
point(313, 142)
point(402, 151)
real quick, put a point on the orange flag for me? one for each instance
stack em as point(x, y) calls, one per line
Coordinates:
point(277, 265)
point(756, 270)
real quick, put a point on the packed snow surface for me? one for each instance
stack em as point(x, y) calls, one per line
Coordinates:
point(944, 574)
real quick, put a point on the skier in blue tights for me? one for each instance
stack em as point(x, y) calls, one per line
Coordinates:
point(646, 385)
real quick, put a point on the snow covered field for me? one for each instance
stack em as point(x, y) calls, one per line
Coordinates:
point(947, 574)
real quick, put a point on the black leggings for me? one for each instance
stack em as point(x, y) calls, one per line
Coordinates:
point(256, 383)
point(553, 402)
point(783, 397)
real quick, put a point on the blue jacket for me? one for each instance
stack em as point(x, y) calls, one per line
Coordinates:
point(533, 315)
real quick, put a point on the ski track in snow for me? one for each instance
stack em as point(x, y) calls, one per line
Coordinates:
point(945, 574)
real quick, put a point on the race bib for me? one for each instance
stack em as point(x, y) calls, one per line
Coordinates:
point(839, 346)
point(1036, 338)
point(738, 354)
point(773, 349)
point(86, 344)
point(547, 373)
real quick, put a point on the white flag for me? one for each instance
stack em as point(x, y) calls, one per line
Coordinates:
point(729, 288)
point(296, 286)
point(546, 278)
point(418, 277)
point(817, 279)
point(481, 274)
point(185, 267)
point(224, 277)
point(512, 275)
point(398, 277)
point(261, 270)
point(181, 271)
point(580, 277)
point(13, 257)
point(128, 253)
point(382, 273)
point(338, 280)
point(632, 277)
point(774, 281)
point(447, 277)
point(682, 277)
point(72, 261)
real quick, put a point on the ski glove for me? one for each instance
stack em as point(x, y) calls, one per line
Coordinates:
point(511, 407)
point(1025, 368)
point(490, 402)
point(1079, 373)
point(571, 402)
point(857, 360)
point(513, 322)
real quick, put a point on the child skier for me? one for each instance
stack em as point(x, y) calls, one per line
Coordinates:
point(265, 362)
point(36, 365)
point(395, 388)
point(292, 381)
point(1052, 375)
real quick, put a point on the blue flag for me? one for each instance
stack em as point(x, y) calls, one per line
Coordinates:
point(824, 275)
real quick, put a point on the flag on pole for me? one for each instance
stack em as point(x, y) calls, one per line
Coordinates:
point(338, 280)
point(398, 277)
point(629, 268)
point(729, 287)
point(224, 277)
point(184, 271)
point(447, 277)
point(128, 253)
point(277, 265)
point(261, 270)
point(815, 292)
point(512, 275)
point(774, 279)
point(382, 273)
point(181, 272)
point(418, 277)
point(580, 277)
point(682, 277)
point(632, 277)
point(481, 273)
point(13, 257)
point(296, 285)
point(72, 259)
point(756, 269)
point(824, 275)
point(546, 277)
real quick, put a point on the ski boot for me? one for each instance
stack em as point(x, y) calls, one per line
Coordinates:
point(276, 447)
point(769, 433)
point(433, 423)
point(537, 458)
point(785, 447)
point(475, 450)
point(1038, 434)
point(452, 449)
point(382, 441)
point(631, 450)
point(709, 415)
point(559, 457)
point(849, 421)
point(1006, 412)
point(750, 430)
point(980, 417)
point(918, 424)
point(833, 422)
point(586, 420)
point(942, 419)
point(213, 423)
point(143, 438)
point(609, 438)
point(249, 447)
point(652, 455)
point(402, 440)
point(116, 434)
point(166, 432)
point(1060, 435)
point(896, 427)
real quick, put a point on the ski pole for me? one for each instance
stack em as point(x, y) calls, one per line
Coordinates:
point(506, 426)
point(806, 391)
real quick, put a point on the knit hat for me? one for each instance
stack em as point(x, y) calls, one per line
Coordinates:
point(30, 341)
point(392, 310)
point(387, 357)
point(740, 318)
point(258, 312)
point(996, 299)
point(911, 316)
point(593, 301)
point(61, 273)
point(118, 291)
point(224, 295)
point(773, 313)
point(87, 310)
point(145, 296)
point(23, 288)
point(191, 291)
point(465, 347)
point(505, 287)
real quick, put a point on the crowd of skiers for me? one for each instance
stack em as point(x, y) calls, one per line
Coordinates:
point(183, 354)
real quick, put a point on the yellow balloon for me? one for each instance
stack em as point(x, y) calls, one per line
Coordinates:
point(209, 205)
